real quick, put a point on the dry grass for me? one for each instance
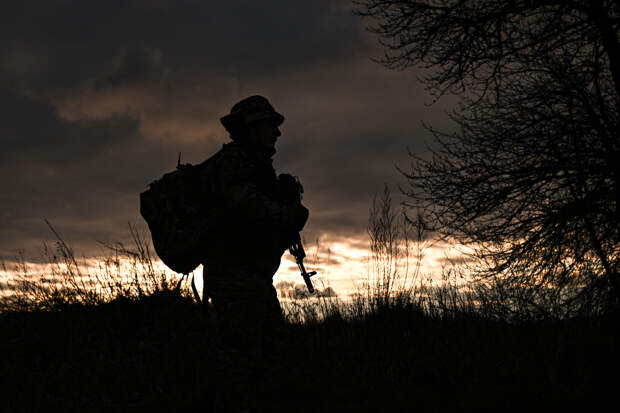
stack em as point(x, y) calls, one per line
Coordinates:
point(127, 272)
point(127, 341)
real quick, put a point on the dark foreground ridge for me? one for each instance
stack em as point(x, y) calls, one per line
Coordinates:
point(156, 355)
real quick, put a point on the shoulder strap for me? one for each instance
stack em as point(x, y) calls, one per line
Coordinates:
point(194, 289)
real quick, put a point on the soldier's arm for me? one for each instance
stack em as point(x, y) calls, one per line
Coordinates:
point(240, 193)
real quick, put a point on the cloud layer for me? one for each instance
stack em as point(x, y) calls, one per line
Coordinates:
point(98, 99)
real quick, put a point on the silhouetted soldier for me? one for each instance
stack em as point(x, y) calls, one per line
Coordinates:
point(240, 263)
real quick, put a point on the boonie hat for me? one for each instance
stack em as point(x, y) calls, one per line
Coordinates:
point(250, 110)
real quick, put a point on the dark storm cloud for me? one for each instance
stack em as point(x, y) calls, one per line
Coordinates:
point(241, 38)
point(134, 67)
point(98, 99)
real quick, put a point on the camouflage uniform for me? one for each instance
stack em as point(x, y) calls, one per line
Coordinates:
point(240, 262)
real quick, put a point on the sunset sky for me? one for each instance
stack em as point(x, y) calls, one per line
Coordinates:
point(98, 98)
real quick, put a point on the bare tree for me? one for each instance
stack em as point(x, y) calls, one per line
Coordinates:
point(530, 180)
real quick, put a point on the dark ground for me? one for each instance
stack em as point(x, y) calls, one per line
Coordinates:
point(156, 355)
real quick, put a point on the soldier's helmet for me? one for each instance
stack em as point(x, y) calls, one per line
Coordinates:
point(250, 110)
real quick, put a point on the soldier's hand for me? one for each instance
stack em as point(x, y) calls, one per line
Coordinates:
point(295, 216)
point(289, 188)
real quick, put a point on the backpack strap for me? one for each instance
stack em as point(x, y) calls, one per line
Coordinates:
point(194, 289)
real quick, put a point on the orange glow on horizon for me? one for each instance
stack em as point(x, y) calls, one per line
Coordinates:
point(343, 265)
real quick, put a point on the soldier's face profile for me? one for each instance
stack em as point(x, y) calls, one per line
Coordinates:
point(265, 133)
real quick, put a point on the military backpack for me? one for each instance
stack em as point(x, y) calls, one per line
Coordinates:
point(179, 212)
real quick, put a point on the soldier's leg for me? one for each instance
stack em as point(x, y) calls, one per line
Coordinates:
point(247, 308)
point(249, 322)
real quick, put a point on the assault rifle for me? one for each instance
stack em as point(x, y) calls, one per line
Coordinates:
point(297, 251)
point(291, 191)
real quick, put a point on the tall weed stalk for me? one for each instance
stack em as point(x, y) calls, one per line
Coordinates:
point(127, 273)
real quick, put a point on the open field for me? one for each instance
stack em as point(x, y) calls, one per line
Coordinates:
point(157, 353)
point(124, 339)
